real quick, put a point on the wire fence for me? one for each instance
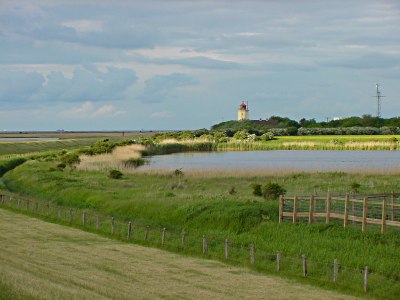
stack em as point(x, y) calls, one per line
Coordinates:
point(327, 273)
point(376, 209)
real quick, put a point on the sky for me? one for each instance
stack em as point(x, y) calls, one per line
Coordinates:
point(181, 64)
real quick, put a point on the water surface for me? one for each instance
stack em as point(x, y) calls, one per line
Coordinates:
point(307, 160)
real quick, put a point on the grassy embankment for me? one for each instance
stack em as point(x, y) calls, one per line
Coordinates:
point(204, 205)
point(201, 204)
point(47, 261)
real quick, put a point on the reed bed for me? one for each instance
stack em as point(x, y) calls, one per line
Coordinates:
point(108, 161)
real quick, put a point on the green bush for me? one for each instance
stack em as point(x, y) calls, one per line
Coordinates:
point(115, 174)
point(257, 189)
point(71, 159)
point(355, 187)
point(232, 191)
point(178, 172)
point(135, 162)
point(273, 190)
point(61, 166)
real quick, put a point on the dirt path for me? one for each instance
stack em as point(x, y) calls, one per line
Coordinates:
point(50, 261)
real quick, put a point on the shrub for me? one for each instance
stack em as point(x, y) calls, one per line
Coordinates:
point(240, 135)
point(115, 174)
point(61, 166)
point(273, 190)
point(178, 172)
point(135, 162)
point(71, 159)
point(257, 189)
point(232, 191)
point(267, 136)
point(355, 187)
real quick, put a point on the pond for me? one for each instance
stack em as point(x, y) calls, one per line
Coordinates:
point(307, 160)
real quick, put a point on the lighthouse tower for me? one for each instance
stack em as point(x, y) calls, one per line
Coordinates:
point(243, 111)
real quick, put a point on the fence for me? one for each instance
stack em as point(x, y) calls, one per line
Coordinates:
point(330, 273)
point(378, 209)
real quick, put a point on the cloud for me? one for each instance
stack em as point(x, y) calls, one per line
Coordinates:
point(107, 110)
point(162, 87)
point(86, 84)
point(201, 62)
point(17, 86)
point(83, 26)
point(365, 61)
point(89, 110)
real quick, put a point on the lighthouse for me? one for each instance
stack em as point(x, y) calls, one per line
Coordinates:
point(243, 111)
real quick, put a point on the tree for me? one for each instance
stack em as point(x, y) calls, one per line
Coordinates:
point(273, 190)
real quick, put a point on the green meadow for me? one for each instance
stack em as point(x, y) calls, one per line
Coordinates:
point(221, 205)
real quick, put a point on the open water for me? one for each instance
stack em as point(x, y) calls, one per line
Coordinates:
point(307, 160)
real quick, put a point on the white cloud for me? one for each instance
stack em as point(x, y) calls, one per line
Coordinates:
point(84, 108)
point(89, 110)
point(84, 26)
point(107, 110)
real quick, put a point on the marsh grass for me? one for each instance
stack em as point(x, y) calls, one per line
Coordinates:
point(118, 159)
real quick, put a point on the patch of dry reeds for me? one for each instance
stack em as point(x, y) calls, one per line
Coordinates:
point(115, 160)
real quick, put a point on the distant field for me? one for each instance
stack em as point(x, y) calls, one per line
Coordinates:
point(40, 260)
point(74, 134)
point(66, 140)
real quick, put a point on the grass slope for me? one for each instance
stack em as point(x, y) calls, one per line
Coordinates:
point(203, 205)
point(47, 261)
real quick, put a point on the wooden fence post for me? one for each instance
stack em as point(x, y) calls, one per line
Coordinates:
point(163, 236)
point(47, 208)
point(383, 229)
point(252, 254)
point(129, 230)
point(70, 215)
point(226, 249)
point(365, 210)
point(278, 261)
point(183, 240)
point(304, 259)
point(97, 222)
point(328, 208)
point(295, 201)
point(83, 218)
point(112, 225)
point(19, 203)
point(146, 235)
point(311, 210)
point(27, 204)
point(59, 212)
point(366, 279)
point(204, 245)
point(281, 200)
point(392, 208)
point(346, 211)
point(36, 207)
point(1, 199)
point(335, 270)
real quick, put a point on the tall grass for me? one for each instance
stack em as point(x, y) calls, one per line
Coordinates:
point(118, 159)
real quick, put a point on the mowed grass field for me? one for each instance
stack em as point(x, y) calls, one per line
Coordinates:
point(40, 260)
